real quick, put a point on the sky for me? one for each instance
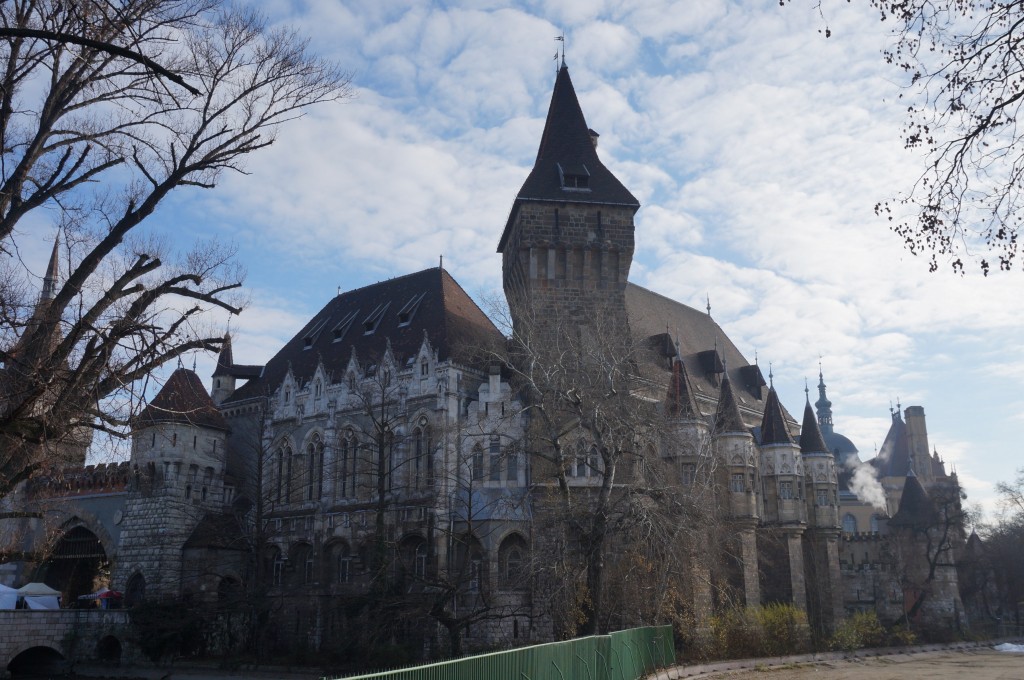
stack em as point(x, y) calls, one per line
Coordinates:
point(757, 147)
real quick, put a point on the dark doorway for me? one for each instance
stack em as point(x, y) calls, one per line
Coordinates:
point(108, 649)
point(78, 565)
point(37, 662)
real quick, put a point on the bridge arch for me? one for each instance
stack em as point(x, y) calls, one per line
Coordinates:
point(37, 660)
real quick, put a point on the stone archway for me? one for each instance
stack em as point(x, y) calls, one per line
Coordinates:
point(39, 661)
point(77, 565)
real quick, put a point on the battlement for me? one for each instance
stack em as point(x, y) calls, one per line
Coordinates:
point(81, 481)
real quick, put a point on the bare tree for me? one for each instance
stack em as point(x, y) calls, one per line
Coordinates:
point(618, 480)
point(963, 98)
point(98, 139)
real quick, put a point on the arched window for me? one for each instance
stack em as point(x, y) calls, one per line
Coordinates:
point(849, 523)
point(135, 590)
point(304, 565)
point(512, 561)
point(495, 459)
point(478, 462)
point(280, 474)
point(580, 469)
point(413, 552)
point(874, 524)
point(344, 454)
point(314, 469)
point(342, 562)
point(512, 463)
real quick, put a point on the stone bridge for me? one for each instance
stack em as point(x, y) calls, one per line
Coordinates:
point(43, 641)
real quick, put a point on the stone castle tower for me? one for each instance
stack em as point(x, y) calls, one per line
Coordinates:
point(178, 446)
point(568, 244)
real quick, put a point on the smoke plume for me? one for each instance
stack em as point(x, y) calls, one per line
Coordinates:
point(864, 483)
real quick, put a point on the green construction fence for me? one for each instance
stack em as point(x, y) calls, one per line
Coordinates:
point(622, 655)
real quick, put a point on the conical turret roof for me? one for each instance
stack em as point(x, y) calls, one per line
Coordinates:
point(915, 507)
point(567, 148)
point(183, 399)
point(681, 400)
point(893, 459)
point(811, 440)
point(225, 360)
point(727, 416)
point(773, 424)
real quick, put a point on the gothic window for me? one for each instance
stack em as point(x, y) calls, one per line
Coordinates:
point(343, 463)
point(593, 463)
point(687, 474)
point(317, 389)
point(478, 463)
point(280, 473)
point(786, 490)
point(512, 561)
point(495, 459)
point(849, 523)
point(513, 466)
point(424, 369)
point(420, 566)
point(344, 564)
point(288, 475)
point(821, 497)
point(736, 482)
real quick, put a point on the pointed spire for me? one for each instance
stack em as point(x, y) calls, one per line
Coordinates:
point(225, 360)
point(773, 424)
point(823, 406)
point(567, 152)
point(811, 439)
point(727, 415)
point(52, 273)
point(183, 399)
point(681, 400)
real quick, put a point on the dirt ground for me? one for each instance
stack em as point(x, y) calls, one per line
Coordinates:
point(973, 664)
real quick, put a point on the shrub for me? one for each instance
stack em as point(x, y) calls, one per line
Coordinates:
point(784, 629)
point(863, 629)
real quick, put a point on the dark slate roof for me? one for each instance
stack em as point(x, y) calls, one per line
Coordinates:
point(681, 402)
point(566, 142)
point(915, 507)
point(183, 399)
point(429, 302)
point(811, 440)
point(727, 415)
point(838, 445)
point(703, 347)
point(225, 360)
point(893, 459)
point(221, 531)
point(773, 424)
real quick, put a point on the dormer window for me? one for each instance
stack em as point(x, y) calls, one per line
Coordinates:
point(342, 327)
point(313, 334)
point(574, 177)
point(406, 313)
point(371, 322)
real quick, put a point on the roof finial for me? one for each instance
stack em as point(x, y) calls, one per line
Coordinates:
point(755, 357)
point(709, 303)
point(771, 377)
point(561, 38)
point(193, 363)
point(807, 391)
point(821, 376)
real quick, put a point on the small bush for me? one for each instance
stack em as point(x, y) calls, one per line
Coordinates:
point(902, 637)
point(784, 630)
point(863, 629)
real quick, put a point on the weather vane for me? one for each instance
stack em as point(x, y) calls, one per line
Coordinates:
point(561, 38)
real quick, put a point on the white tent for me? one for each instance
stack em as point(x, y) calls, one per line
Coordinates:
point(39, 596)
point(8, 597)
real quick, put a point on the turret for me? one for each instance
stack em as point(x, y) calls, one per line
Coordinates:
point(223, 378)
point(734, 446)
point(568, 243)
point(917, 444)
point(821, 480)
point(782, 467)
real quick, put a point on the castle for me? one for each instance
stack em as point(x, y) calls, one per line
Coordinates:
point(401, 452)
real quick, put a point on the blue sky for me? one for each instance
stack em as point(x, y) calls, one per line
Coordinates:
point(757, 147)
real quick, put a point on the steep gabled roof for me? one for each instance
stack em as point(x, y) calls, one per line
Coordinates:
point(183, 399)
point(566, 146)
point(773, 424)
point(401, 311)
point(811, 440)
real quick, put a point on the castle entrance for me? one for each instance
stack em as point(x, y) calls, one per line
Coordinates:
point(77, 566)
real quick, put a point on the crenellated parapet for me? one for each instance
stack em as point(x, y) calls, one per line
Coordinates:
point(81, 480)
